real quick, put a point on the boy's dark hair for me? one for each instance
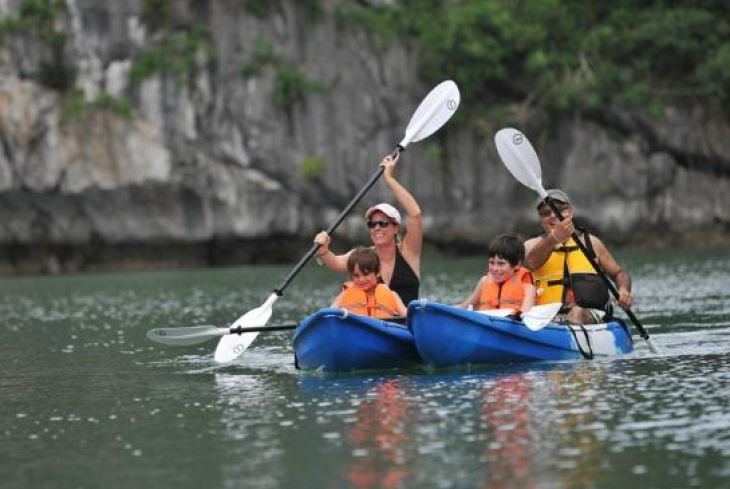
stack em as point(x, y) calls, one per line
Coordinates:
point(365, 258)
point(509, 247)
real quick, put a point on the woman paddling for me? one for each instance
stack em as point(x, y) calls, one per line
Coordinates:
point(400, 258)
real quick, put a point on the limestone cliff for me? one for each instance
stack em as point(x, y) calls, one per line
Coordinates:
point(202, 132)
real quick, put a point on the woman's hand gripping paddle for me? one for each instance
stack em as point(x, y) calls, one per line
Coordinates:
point(433, 112)
point(520, 158)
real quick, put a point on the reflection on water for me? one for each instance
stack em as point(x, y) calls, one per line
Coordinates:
point(379, 439)
point(508, 451)
point(88, 402)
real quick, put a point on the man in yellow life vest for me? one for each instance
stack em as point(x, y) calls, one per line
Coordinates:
point(561, 271)
point(365, 293)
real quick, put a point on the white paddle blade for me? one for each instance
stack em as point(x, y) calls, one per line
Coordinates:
point(233, 345)
point(499, 313)
point(520, 158)
point(437, 108)
point(537, 317)
point(188, 336)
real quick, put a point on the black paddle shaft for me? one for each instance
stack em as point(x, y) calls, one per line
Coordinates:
point(259, 329)
point(280, 289)
point(642, 331)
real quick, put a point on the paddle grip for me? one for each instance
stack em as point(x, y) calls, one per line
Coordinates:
point(642, 331)
point(398, 150)
point(280, 289)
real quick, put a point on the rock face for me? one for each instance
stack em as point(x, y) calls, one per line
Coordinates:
point(200, 133)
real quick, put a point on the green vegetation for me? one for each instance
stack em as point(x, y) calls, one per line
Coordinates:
point(311, 9)
point(56, 75)
point(259, 8)
point(291, 86)
point(36, 22)
point(175, 54)
point(264, 54)
point(379, 23)
point(75, 107)
point(36, 18)
point(157, 13)
point(562, 56)
point(313, 169)
point(433, 153)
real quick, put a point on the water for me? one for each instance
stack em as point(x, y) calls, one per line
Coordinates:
point(87, 401)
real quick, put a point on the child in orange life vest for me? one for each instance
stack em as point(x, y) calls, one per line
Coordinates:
point(365, 293)
point(507, 285)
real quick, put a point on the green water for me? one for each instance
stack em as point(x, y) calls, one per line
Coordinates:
point(87, 401)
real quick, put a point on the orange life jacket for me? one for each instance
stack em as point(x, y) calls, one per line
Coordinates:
point(381, 304)
point(507, 295)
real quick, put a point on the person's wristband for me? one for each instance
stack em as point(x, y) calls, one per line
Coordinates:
point(552, 233)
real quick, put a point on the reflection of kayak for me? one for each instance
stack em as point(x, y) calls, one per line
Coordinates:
point(333, 341)
point(447, 336)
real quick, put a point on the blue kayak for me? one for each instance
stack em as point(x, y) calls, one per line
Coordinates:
point(448, 336)
point(333, 340)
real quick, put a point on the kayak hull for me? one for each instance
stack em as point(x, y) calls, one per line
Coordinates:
point(448, 336)
point(332, 340)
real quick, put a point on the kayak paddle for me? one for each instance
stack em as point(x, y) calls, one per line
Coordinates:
point(194, 335)
point(536, 318)
point(539, 316)
point(433, 112)
point(521, 160)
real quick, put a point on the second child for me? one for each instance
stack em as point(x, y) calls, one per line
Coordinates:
point(365, 293)
point(507, 284)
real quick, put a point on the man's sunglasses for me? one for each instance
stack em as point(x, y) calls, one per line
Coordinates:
point(545, 211)
point(382, 224)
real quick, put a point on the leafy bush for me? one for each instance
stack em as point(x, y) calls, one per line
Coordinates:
point(561, 56)
point(313, 168)
point(36, 20)
point(291, 86)
point(157, 13)
point(263, 54)
point(75, 106)
point(311, 9)
point(175, 54)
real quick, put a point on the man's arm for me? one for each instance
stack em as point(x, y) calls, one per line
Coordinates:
point(537, 250)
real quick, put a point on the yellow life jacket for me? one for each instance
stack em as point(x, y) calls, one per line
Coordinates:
point(567, 276)
point(381, 304)
point(507, 295)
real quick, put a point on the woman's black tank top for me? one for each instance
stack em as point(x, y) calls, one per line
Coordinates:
point(404, 280)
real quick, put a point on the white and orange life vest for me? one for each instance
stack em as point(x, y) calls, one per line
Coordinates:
point(507, 295)
point(381, 304)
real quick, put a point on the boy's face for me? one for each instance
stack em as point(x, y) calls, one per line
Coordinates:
point(500, 269)
point(362, 280)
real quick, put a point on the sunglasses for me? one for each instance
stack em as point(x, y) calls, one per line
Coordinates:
point(545, 211)
point(382, 224)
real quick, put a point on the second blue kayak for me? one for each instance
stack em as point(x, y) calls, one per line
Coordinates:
point(335, 341)
point(449, 336)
